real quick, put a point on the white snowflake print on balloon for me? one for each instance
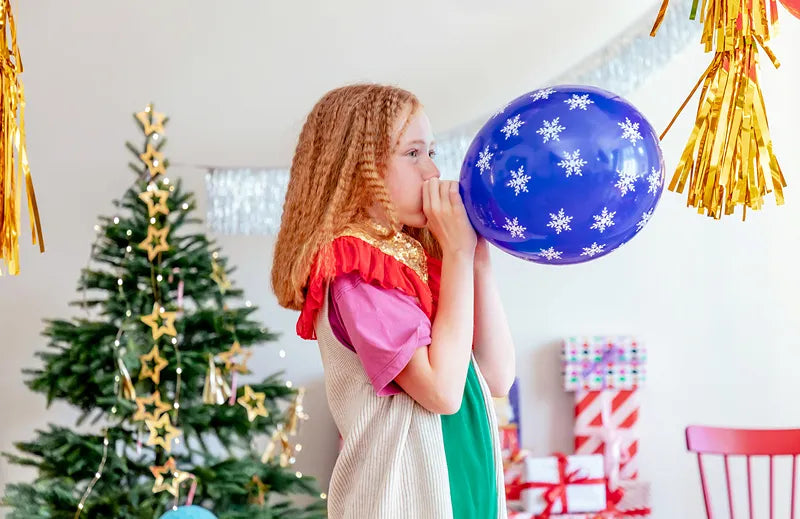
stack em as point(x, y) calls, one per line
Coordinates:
point(603, 220)
point(645, 218)
point(626, 182)
point(630, 131)
point(550, 254)
point(512, 126)
point(483, 159)
point(577, 101)
point(573, 163)
point(560, 222)
point(593, 250)
point(513, 226)
point(550, 130)
point(543, 93)
point(519, 181)
point(653, 181)
point(567, 174)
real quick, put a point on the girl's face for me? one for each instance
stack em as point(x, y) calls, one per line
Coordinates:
point(410, 164)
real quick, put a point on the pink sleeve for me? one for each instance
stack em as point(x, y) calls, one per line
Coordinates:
point(384, 328)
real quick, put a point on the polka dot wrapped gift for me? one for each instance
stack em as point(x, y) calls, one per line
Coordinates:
point(606, 372)
point(602, 362)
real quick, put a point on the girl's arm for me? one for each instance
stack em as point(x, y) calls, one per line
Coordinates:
point(435, 375)
point(492, 342)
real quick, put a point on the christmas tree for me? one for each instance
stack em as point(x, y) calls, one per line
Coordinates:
point(155, 359)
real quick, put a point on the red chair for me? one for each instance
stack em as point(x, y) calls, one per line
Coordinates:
point(747, 443)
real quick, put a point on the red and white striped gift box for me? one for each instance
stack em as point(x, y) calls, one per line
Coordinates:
point(592, 431)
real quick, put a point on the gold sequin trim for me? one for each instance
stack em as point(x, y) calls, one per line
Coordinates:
point(401, 247)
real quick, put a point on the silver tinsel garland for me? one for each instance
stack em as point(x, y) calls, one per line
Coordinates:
point(250, 201)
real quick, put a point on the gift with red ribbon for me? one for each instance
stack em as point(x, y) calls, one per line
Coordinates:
point(560, 484)
point(633, 500)
point(605, 423)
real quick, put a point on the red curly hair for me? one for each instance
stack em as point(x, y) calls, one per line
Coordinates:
point(335, 178)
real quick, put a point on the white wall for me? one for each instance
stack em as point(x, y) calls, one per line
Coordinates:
point(715, 301)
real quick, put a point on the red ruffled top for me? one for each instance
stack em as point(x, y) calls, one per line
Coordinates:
point(350, 254)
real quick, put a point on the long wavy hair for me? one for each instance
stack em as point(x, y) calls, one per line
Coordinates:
point(335, 178)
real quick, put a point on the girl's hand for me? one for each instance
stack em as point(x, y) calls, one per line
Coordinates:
point(447, 217)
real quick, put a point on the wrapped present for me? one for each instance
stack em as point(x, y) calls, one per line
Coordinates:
point(605, 423)
point(507, 410)
point(632, 499)
point(513, 472)
point(603, 362)
point(560, 484)
point(590, 515)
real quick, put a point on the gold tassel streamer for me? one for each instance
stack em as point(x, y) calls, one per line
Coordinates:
point(216, 390)
point(728, 160)
point(128, 389)
point(279, 438)
point(12, 141)
point(296, 413)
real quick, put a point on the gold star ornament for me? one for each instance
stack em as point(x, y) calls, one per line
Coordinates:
point(253, 402)
point(230, 358)
point(219, 276)
point(156, 241)
point(154, 160)
point(153, 122)
point(153, 207)
point(154, 372)
point(159, 407)
point(162, 323)
point(175, 477)
point(162, 432)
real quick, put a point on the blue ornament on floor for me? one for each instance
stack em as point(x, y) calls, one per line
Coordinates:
point(189, 512)
point(563, 175)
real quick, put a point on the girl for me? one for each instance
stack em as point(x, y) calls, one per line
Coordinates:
point(380, 258)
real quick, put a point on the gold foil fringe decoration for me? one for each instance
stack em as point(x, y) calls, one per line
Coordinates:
point(728, 160)
point(13, 154)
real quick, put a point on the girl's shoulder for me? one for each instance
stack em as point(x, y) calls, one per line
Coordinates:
point(397, 262)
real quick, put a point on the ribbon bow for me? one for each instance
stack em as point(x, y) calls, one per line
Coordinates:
point(554, 492)
point(614, 454)
point(611, 354)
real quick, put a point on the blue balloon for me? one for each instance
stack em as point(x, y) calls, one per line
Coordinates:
point(563, 175)
point(189, 512)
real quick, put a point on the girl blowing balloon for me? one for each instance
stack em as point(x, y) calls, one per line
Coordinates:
point(380, 258)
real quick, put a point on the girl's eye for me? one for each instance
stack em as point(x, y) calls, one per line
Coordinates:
point(432, 153)
point(413, 153)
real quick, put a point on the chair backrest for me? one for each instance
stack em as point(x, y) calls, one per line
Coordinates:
point(747, 443)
